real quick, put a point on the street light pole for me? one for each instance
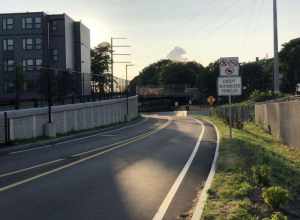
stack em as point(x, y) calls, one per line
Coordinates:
point(112, 46)
point(126, 87)
point(276, 57)
point(49, 85)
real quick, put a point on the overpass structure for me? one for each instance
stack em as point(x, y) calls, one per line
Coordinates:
point(163, 98)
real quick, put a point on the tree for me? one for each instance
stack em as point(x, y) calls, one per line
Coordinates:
point(210, 79)
point(290, 65)
point(100, 62)
point(255, 77)
point(180, 73)
point(152, 74)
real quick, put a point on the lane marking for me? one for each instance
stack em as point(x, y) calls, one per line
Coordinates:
point(121, 142)
point(13, 185)
point(168, 199)
point(77, 139)
point(76, 155)
point(30, 168)
point(109, 135)
point(203, 196)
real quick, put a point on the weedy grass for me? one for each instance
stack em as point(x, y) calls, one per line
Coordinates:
point(248, 165)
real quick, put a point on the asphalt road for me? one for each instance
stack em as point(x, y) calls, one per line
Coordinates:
point(152, 169)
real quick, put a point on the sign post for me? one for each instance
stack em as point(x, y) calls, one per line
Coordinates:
point(230, 117)
point(229, 82)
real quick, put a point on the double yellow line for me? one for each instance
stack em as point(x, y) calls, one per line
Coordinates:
point(103, 150)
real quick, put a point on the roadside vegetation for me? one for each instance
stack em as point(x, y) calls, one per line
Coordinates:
point(257, 177)
point(257, 75)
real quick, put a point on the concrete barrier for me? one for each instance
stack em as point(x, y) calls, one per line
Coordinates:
point(30, 123)
point(281, 119)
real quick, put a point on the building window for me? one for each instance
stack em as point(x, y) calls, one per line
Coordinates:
point(28, 44)
point(9, 65)
point(27, 23)
point(54, 25)
point(37, 22)
point(55, 55)
point(28, 65)
point(38, 43)
point(8, 44)
point(7, 23)
point(38, 63)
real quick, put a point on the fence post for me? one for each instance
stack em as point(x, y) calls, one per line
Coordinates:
point(6, 129)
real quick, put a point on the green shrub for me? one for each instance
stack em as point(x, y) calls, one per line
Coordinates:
point(277, 216)
point(260, 96)
point(275, 196)
point(261, 175)
point(241, 213)
point(211, 193)
point(242, 210)
point(244, 189)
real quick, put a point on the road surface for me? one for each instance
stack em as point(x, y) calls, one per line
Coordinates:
point(153, 169)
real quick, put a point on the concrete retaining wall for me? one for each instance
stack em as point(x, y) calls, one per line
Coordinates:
point(282, 119)
point(30, 123)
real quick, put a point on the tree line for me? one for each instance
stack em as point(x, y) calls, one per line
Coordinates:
point(256, 76)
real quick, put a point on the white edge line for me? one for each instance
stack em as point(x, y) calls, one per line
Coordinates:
point(203, 196)
point(78, 139)
point(30, 168)
point(81, 160)
point(168, 199)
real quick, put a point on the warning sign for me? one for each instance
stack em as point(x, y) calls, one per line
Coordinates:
point(211, 100)
point(229, 66)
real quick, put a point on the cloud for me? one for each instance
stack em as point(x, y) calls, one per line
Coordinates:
point(177, 54)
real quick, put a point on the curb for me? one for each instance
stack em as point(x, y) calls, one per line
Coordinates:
point(197, 214)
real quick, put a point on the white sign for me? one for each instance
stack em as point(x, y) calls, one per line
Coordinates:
point(229, 66)
point(230, 86)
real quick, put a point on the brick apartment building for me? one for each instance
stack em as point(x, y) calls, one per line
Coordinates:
point(34, 40)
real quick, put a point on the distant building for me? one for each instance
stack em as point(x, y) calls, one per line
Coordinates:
point(37, 39)
point(120, 84)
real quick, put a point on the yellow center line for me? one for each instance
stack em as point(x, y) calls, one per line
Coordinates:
point(84, 159)
point(62, 159)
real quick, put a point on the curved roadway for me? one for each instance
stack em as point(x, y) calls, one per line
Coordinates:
point(153, 169)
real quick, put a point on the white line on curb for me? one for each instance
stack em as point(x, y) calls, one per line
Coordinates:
point(167, 201)
point(203, 196)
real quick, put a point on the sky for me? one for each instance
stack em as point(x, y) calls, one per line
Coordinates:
point(200, 30)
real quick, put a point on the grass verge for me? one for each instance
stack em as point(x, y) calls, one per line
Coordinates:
point(256, 178)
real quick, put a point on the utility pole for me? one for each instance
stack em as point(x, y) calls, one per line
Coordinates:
point(276, 57)
point(112, 46)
